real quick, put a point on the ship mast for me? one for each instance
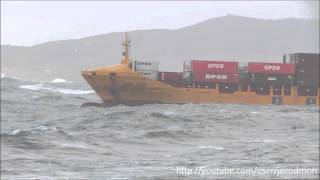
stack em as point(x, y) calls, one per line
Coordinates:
point(125, 44)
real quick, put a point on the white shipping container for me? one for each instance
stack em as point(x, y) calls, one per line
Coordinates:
point(146, 66)
point(149, 74)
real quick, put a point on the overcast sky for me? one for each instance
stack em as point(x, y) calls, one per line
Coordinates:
point(31, 22)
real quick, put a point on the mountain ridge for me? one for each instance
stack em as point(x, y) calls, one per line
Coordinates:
point(233, 38)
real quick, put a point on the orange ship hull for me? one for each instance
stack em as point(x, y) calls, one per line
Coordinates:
point(119, 84)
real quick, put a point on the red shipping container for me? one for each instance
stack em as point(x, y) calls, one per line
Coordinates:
point(227, 67)
point(215, 77)
point(170, 76)
point(271, 68)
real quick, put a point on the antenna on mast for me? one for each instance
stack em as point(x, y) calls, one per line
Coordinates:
point(125, 53)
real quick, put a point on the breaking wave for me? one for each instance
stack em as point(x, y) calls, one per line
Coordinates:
point(46, 130)
point(37, 87)
point(58, 80)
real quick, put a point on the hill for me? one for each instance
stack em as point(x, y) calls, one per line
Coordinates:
point(231, 38)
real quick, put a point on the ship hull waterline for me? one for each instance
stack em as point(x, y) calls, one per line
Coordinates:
point(119, 84)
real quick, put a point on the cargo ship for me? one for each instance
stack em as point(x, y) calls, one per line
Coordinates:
point(295, 81)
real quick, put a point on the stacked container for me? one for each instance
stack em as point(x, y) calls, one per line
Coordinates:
point(307, 73)
point(147, 69)
point(172, 78)
point(208, 73)
point(262, 75)
point(244, 78)
point(211, 71)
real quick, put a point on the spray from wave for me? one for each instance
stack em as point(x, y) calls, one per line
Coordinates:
point(37, 87)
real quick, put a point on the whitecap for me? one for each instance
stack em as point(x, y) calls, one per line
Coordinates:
point(42, 128)
point(54, 128)
point(73, 91)
point(262, 141)
point(32, 87)
point(37, 87)
point(211, 147)
point(35, 97)
point(80, 146)
point(169, 113)
point(219, 148)
point(269, 140)
point(307, 160)
point(3, 75)
point(255, 112)
point(15, 132)
point(58, 80)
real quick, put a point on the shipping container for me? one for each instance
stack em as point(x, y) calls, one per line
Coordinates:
point(146, 66)
point(149, 74)
point(310, 68)
point(228, 88)
point(297, 58)
point(263, 89)
point(170, 76)
point(285, 58)
point(275, 79)
point(227, 67)
point(215, 77)
point(306, 62)
point(307, 79)
point(307, 91)
point(271, 68)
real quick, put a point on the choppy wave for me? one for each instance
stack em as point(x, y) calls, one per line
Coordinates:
point(37, 87)
point(44, 129)
point(262, 141)
point(58, 80)
point(4, 76)
point(211, 147)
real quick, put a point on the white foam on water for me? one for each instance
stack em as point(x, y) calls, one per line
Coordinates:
point(32, 87)
point(54, 128)
point(73, 91)
point(269, 140)
point(3, 75)
point(15, 132)
point(307, 160)
point(219, 148)
point(58, 80)
point(262, 141)
point(37, 87)
point(254, 112)
point(80, 146)
point(42, 128)
point(169, 113)
point(211, 147)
